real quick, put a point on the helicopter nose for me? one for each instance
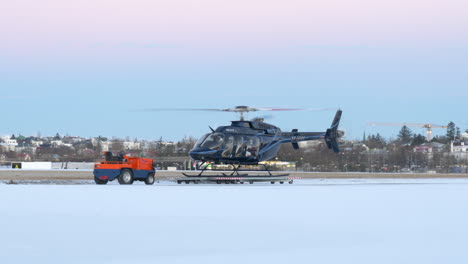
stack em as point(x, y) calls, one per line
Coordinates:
point(202, 154)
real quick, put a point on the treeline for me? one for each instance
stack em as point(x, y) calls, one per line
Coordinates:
point(76, 149)
point(409, 152)
point(373, 153)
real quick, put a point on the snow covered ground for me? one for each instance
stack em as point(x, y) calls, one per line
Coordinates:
point(312, 221)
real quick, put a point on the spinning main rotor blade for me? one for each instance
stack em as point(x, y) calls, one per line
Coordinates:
point(179, 109)
point(241, 110)
point(237, 109)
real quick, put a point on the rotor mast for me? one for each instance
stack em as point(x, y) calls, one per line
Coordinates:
point(245, 109)
point(241, 110)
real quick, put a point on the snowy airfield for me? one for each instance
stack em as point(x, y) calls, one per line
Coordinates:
point(310, 221)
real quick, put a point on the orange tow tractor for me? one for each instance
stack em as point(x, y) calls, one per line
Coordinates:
point(125, 169)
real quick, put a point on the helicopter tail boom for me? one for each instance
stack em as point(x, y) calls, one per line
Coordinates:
point(330, 136)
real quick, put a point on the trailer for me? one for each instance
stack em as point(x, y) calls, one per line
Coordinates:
point(125, 169)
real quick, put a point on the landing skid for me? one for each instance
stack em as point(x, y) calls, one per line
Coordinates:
point(235, 173)
point(236, 178)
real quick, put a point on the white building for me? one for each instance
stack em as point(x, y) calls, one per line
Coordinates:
point(8, 144)
point(460, 147)
point(105, 145)
point(37, 143)
point(60, 143)
point(70, 139)
point(464, 136)
point(459, 150)
point(130, 145)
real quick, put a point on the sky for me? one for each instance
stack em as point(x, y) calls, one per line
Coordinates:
point(85, 67)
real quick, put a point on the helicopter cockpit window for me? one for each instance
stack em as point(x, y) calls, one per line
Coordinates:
point(240, 146)
point(227, 150)
point(213, 141)
point(252, 147)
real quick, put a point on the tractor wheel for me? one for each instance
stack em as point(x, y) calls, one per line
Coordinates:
point(98, 181)
point(150, 179)
point(126, 176)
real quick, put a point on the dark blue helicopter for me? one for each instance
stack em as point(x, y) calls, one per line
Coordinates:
point(248, 142)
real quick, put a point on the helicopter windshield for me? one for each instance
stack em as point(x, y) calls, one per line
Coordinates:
point(200, 140)
point(212, 141)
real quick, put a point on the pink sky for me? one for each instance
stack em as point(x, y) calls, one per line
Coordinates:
point(343, 52)
point(42, 26)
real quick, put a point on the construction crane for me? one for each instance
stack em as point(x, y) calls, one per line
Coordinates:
point(428, 126)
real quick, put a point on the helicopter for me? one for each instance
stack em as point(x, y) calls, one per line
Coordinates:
point(249, 142)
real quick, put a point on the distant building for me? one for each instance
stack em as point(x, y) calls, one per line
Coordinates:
point(8, 144)
point(34, 141)
point(429, 147)
point(167, 143)
point(464, 136)
point(25, 157)
point(105, 144)
point(26, 148)
point(131, 145)
point(60, 143)
point(72, 140)
point(459, 150)
point(458, 147)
